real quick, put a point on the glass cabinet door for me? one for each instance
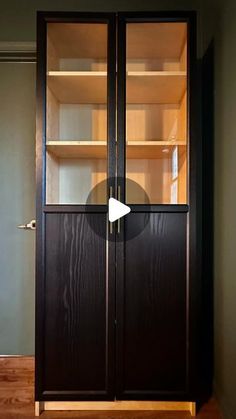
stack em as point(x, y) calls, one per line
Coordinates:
point(156, 112)
point(76, 112)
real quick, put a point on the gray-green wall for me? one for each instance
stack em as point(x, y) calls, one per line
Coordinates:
point(225, 208)
point(17, 18)
point(17, 205)
point(219, 22)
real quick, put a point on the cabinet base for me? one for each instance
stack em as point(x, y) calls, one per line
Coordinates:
point(116, 405)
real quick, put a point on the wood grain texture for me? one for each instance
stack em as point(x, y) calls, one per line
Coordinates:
point(182, 119)
point(83, 40)
point(154, 177)
point(152, 354)
point(154, 291)
point(140, 38)
point(80, 149)
point(16, 384)
point(39, 407)
point(16, 403)
point(98, 149)
point(183, 57)
point(153, 64)
point(75, 305)
point(142, 87)
point(155, 87)
point(152, 122)
point(121, 405)
point(53, 109)
point(53, 60)
point(153, 149)
point(89, 122)
point(77, 73)
point(79, 89)
point(52, 173)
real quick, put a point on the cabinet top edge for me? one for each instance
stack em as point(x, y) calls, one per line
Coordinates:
point(60, 16)
point(131, 16)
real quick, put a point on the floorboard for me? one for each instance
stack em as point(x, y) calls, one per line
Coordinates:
point(17, 398)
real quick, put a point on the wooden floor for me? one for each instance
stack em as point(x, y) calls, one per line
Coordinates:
point(17, 389)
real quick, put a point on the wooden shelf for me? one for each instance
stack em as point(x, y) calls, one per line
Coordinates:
point(162, 87)
point(142, 86)
point(98, 149)
point(152, 149)
point(78, 86)
point(77, 73)
point(78, 149)
point(147, 73)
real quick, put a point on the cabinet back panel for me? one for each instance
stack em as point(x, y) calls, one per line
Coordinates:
point(152, 122)
point(71, 40)
point(154, 306)
point(155, 176)
point(70, 181)
point(155, 40)
point(75, 304)
point(83, 122)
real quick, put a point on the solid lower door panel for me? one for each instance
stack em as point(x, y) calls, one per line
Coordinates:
point(76, 326)
point(152, 307)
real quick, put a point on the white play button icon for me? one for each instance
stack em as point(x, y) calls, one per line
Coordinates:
point(117, 210)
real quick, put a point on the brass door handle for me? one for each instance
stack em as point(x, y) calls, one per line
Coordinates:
point(111, 196)
point(118, 226)
point(118, 193)
point(119, 197)
point(30, 226)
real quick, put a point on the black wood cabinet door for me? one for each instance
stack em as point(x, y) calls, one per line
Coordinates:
point(75, 260)
point(152, 308)
point(76, 346)
point(157, 284)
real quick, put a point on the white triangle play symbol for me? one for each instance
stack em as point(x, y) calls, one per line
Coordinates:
point(117, 210)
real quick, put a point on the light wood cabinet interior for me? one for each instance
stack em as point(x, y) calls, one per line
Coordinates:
point(156, 110)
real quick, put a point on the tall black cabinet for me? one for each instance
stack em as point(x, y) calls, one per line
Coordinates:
point(118, 305)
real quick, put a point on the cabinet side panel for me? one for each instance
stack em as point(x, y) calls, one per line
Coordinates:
point(75, 304)
point(154, 307)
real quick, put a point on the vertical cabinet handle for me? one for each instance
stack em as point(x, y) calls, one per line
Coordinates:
point(118, 193)
point(110, 196)
point(118, 226)
point(118, 221)
point(118, 196)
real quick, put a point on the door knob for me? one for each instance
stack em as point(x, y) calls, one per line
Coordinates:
point(30, 226)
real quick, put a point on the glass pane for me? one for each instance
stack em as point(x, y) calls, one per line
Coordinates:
point(76, 141)
point(156, 112)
